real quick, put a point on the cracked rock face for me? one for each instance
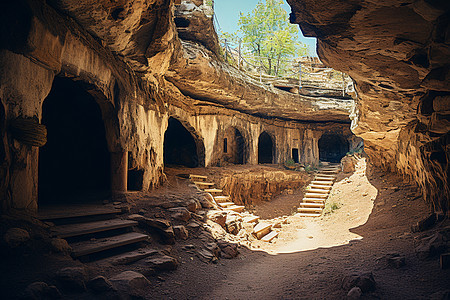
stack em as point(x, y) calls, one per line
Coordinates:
point(398, 52)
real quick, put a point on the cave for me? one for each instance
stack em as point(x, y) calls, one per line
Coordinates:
point(74, 164)
point(265, 149)
point(180, 147)
point(234, 147)
point(332, 148)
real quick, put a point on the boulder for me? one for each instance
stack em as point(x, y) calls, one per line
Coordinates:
point(233, 224)
point(16, 237)
point(60, 246)
point(72, 278)
point(348, 164)
point(218, 216)
point(162, 263)
point(131, 257)
point(213, 248)
point(228, 250)
point(431, 246)
point(215, 229)
point(193, 206)
point(206, 200)
point(41, 290)
point(180, 213)
point(395, 260)
point(162, 224)
point(364, 281)
point(100, 285)
point(205, 255)
point(354, 294)
point(131, 285)
point(181, 232)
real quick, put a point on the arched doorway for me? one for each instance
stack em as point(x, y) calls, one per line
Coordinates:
point(265, 149)
point(332, 148)
point(234, 147)
point(180, 147)
point(74, 164)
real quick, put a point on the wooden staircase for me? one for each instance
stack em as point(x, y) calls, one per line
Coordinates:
point(91, 229)
point(318, 190)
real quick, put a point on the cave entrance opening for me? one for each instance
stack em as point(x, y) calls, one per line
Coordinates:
point(265, 149)
point(332, 147)
point(236, 147)
point(180, 146)
point(74, 164)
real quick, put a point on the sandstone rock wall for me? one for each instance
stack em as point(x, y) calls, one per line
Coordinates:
point(398, 52)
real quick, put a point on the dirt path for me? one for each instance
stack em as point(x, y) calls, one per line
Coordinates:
point(311, 256)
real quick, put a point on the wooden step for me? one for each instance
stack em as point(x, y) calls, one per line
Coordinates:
point(309, 209)
point(315, 195)
point(94, 246)
point(236, 208)
point(270, 236)
point(197, 177)
point(321, 187)
point(65, 231)
point(251, 219)
point(313, 200)
point(213, 191)
point(225, 204)
point(318, 191)
point(325, 175)
point(318, 182)
point(309, 204)
point(329, 171)
point(70, 212)
point(220, 199)
point(261, 229)
point(320, 178)
point(203, 185)
point(308, 215)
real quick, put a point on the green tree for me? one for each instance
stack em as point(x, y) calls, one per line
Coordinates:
point(269, 37)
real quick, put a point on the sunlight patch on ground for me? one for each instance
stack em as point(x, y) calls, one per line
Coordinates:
point(355, 196)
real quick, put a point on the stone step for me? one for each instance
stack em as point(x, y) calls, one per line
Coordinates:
point(325, 175)
point(321, 187)
point(315, 195)
point(251, 219)
point(309, 204)
point(261, 229)
point(197, 177)
point(225, 204)
point(318, 182)
point(235, 208)
point(213, 191)
point(65, 231)
point(313, 200)
point(270, 236)
point(318, 191)
point(308, 215)
point(329, 171)
point(94, 246)
point(220, 199)
point(309, 209)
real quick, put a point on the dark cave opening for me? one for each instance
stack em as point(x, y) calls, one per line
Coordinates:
point(179, 146)
point(332, 148)
point(295, 155)
point(240, 147)
point(74, 164)
point(265, 149)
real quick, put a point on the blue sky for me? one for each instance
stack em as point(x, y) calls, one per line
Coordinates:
point(228, 11)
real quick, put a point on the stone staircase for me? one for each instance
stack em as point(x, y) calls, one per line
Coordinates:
point(317, 192)
point(92, 229)
point(261, 230)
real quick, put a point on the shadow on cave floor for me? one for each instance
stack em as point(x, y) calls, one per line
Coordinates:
point(314, 270)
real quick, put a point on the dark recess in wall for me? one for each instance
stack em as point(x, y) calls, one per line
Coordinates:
point(75, 162)
point(179, 146)
point(265, 149)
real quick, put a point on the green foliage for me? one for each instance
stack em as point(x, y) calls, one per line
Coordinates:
point(331, 207)
point(290, 162)
point(358, 151)
point(268, 38)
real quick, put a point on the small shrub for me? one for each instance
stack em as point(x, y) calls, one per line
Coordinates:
point(290, 162)
point(331, 207)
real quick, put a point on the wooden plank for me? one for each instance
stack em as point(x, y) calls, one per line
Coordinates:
point(236, 208)
point(307, 204)
point(309, 209)
point(315, 195)
point(221, 198)
point(65, 231)
point(213, 191)
point(225, 204)
point(270, 236)
point(329, 183)
point(318, 191)
point(64, 212)
point(94, 246)
point(308, 215)
point(319, 186)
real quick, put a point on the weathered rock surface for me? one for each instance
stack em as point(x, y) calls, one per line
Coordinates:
point(402, 78)
point(72, 278)
point(180, 213)
point(100, 285)
point(16, 237)
point(41, 290)
point(181, 232)
point(131, 284)
point(364, 281)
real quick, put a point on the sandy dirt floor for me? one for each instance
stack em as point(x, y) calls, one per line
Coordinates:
point(372, 216)
point(312, 255)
